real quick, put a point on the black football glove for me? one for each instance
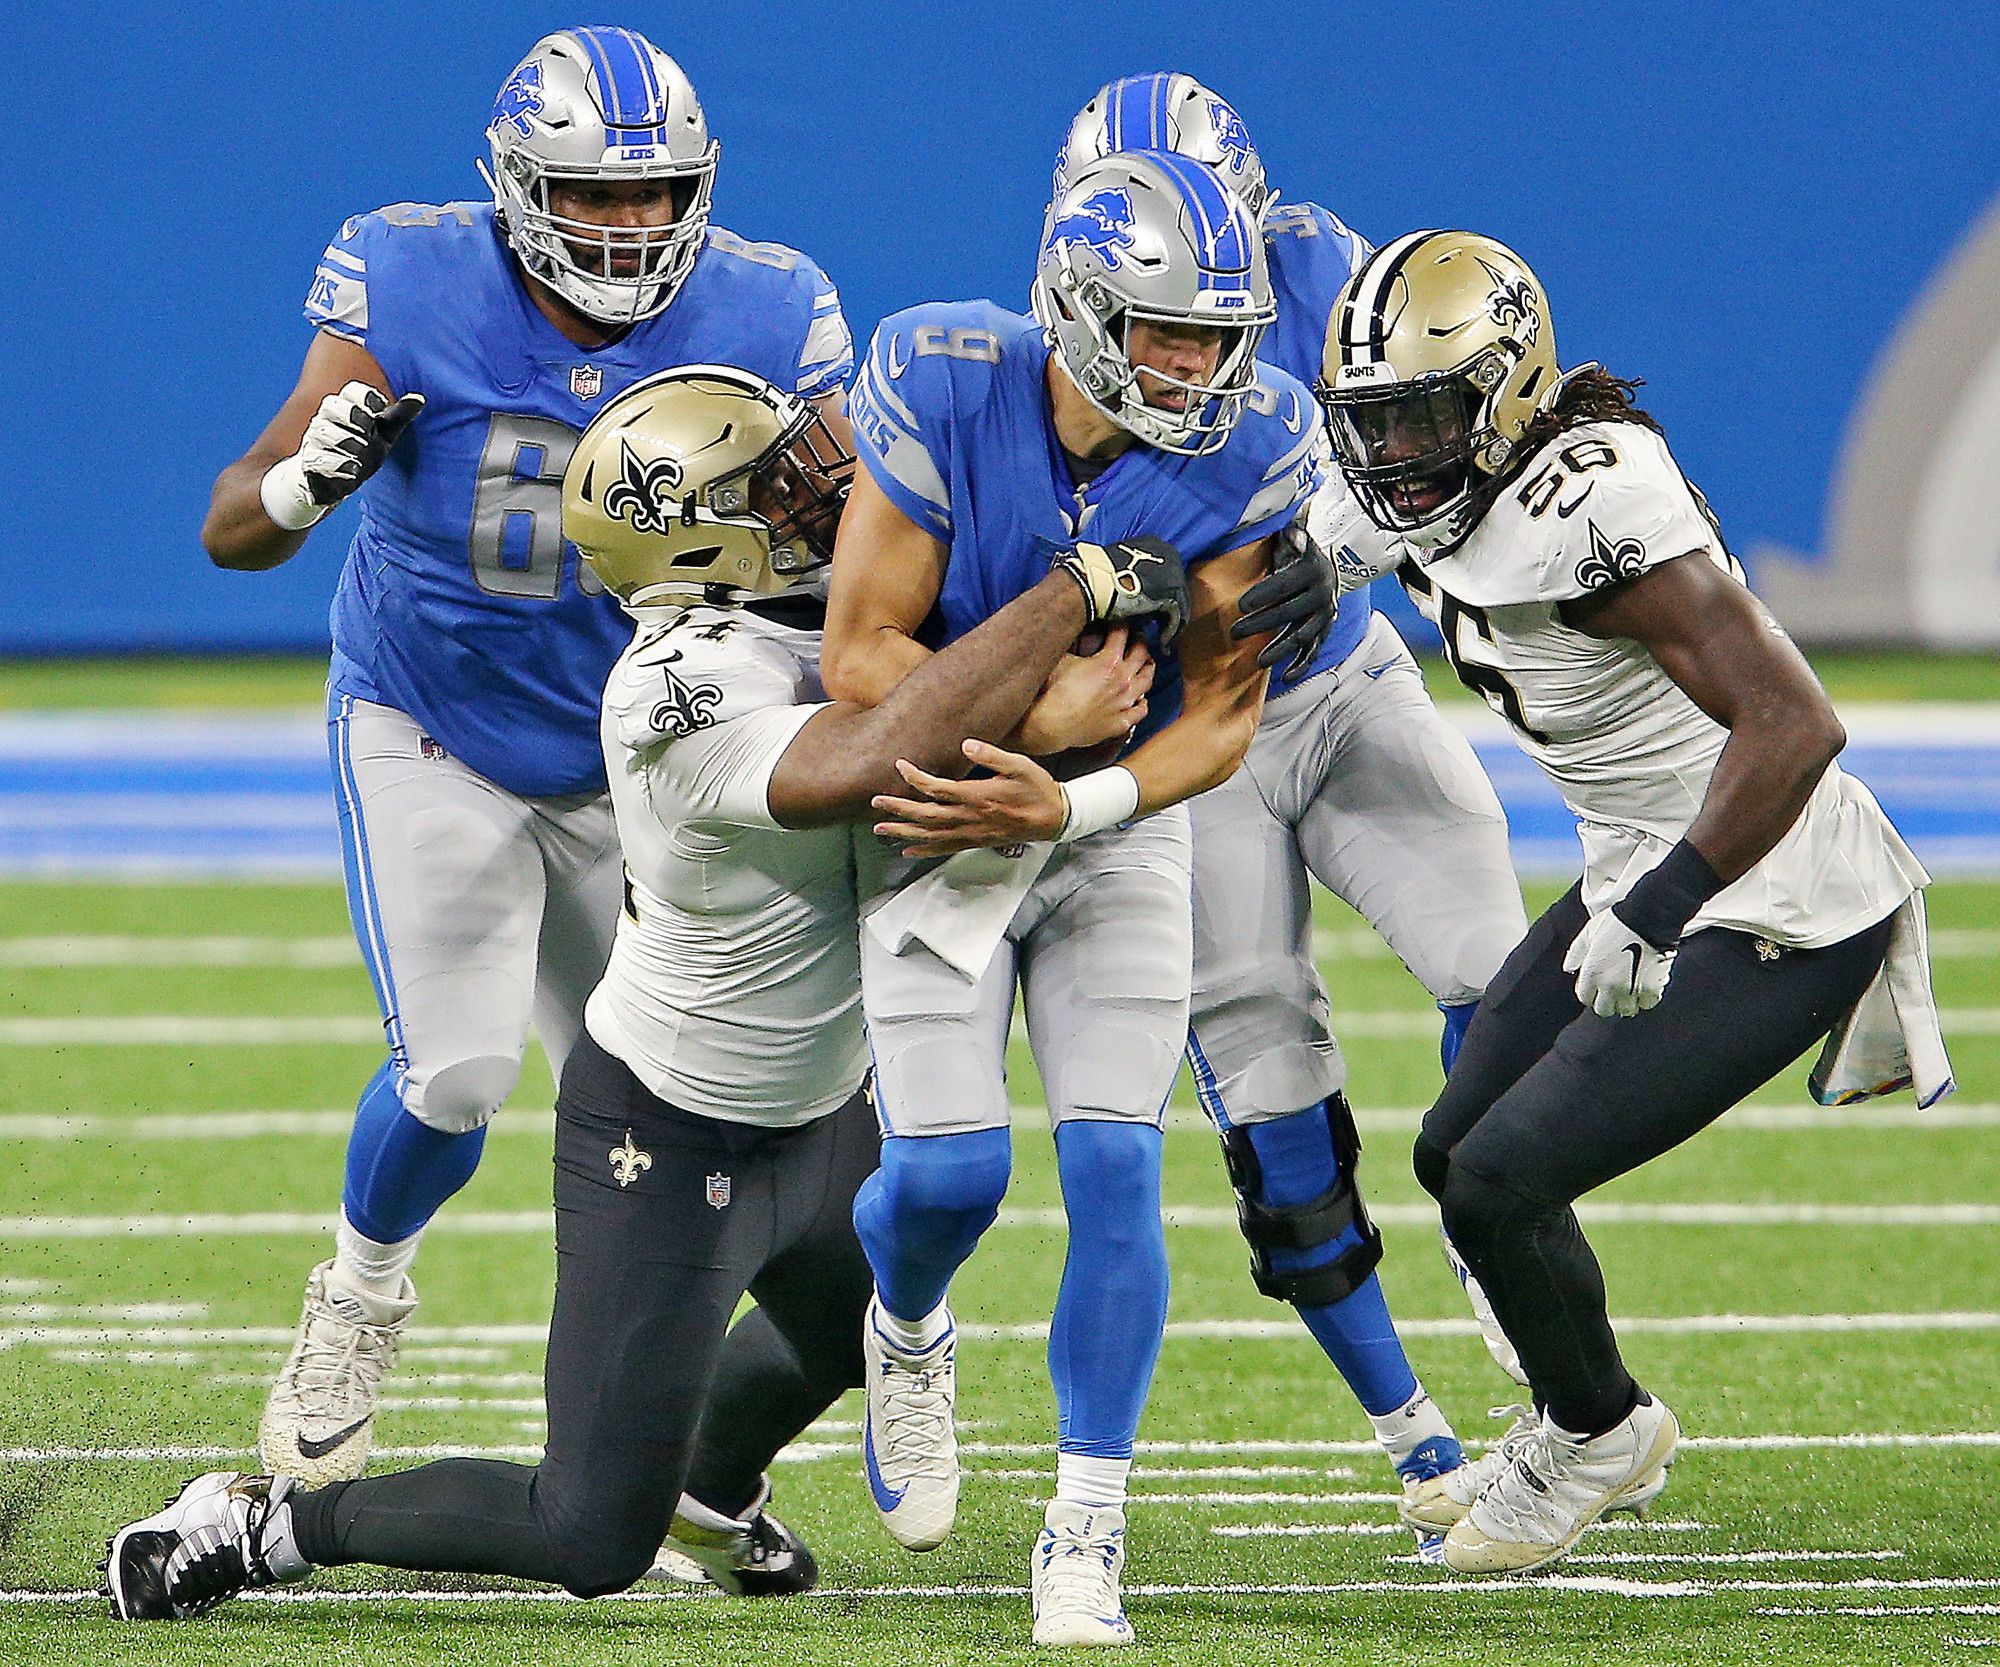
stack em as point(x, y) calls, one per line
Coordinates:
point(1296, 600)
point(1136, 578)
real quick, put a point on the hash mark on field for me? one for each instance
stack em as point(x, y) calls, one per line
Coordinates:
point(1327, 1530)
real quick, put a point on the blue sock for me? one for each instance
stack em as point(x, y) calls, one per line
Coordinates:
point(400, 1170)
point(1456, 1017)
point(1112, 1306)
point(920, 1214)
point(1295, 1154)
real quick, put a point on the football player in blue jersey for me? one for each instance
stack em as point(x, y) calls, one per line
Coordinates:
point(1131, 406)
point(1353, 779)
point(459, 351)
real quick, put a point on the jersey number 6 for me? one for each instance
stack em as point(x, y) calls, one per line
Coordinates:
point(516, 542)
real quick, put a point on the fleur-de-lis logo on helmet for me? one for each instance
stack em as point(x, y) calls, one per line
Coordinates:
point(1512, 303)
point(628, 1163)
point(643, 491)
point(1102, 221)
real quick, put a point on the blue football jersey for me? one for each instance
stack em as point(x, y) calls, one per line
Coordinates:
point(951, 418)
point(1311, 256)
point(461, 603)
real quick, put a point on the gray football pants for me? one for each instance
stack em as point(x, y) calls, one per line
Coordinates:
point(1101, 948)
point(477, 911)
point(1353, 779)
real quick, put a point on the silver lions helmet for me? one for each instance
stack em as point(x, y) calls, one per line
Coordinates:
point(1144, 235)
point(592, 105)
point(1169, 112)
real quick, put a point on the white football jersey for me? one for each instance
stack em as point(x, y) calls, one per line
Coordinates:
point(734, 986)
point(1630, 752)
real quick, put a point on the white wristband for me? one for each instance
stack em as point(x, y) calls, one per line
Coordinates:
point(285, 498)
point(1100, 800)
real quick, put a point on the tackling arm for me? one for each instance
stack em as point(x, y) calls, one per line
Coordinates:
point(977, 689)
point(1721, 645)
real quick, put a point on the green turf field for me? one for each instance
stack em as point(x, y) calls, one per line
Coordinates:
point(1791, 1325)
point(225, 681)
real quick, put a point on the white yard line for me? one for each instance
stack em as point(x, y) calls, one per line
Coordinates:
point(1282, 1331)
point(1341, 1530)
point(807, 1452)
point(97, 1128)
point(1600, 1585)
point(261, 1030)
point(1332, 943)
point(277, 1223)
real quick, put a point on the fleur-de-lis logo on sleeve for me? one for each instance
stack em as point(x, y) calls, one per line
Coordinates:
point(1608, 563)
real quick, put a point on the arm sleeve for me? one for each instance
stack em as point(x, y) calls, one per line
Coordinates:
point(723, 773)
point(896, 406)
point(338, 298)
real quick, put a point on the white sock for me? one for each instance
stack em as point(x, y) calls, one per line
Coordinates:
point(363, 1264)
point(913, 1337)
point(1095, 1483)
point(1415, 1422)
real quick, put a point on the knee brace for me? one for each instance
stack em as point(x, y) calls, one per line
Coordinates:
point(466, 1093)
point(1307, 1226)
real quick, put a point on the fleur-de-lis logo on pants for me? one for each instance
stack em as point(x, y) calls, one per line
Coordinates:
point(628, 1163)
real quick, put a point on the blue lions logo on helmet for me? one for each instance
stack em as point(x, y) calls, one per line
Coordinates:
point(1102, 221)
point(520, 99)
point(1232, 138)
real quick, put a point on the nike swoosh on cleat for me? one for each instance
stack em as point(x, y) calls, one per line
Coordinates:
point(311, 1449)
point(886, 1497)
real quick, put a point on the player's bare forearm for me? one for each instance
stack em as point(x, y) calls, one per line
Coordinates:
point(887, 572)
point(977, 689)
point(237, 532)
point(1734, 660)
point(1222, 689)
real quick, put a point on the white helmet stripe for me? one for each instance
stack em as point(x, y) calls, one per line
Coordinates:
point(1361, 325)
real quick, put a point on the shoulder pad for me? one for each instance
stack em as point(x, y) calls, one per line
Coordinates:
point(700, 669)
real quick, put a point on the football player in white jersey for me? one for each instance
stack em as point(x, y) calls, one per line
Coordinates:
point(1740, 893)
point(711, 1130)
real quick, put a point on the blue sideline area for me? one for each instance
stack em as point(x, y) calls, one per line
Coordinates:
point(151, 795)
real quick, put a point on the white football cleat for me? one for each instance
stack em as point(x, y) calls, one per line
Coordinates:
point(1073, 1578)
point(320, 1416)
point(1554, 1486)
point(1436, 1505)
point(223, 1533)
point(909, 1442)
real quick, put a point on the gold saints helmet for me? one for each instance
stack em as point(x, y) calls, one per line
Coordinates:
point(705, 484)
point(1438, 354)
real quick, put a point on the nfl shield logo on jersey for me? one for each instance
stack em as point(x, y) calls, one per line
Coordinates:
point(586, 381)
point(718, 1192)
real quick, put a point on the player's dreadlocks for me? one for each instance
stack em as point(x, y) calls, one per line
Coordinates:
point(1589, 394)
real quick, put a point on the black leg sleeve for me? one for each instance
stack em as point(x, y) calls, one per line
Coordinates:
point(1610, 1095)
point(799, 1349)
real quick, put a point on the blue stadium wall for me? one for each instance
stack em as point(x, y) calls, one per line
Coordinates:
point(1737, 203)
